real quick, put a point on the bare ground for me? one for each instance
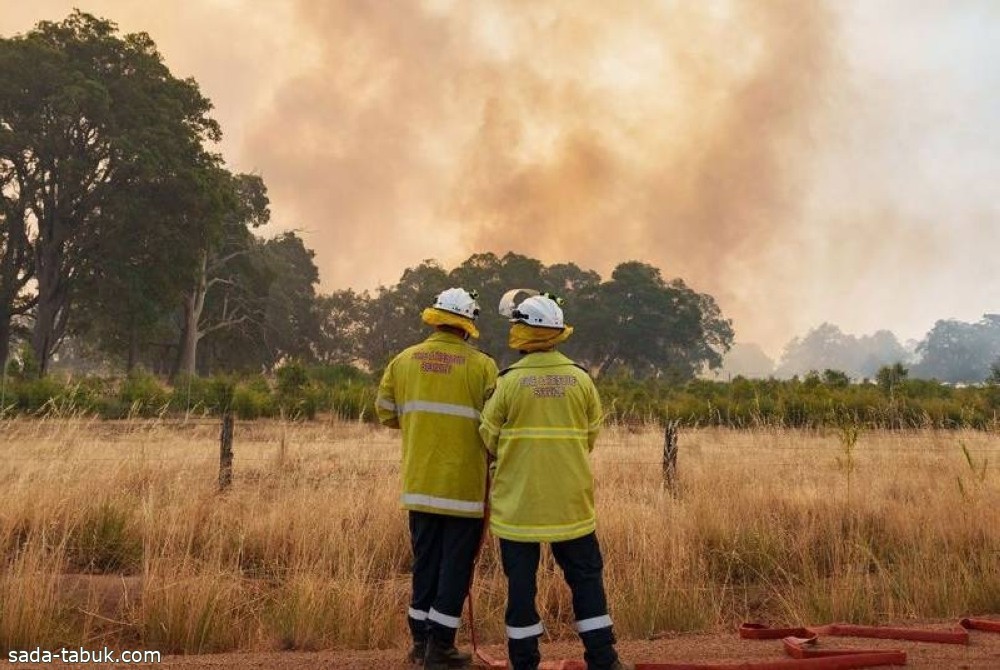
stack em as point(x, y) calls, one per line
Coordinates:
point(982, 653)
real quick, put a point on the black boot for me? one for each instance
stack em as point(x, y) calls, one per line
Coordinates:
point(444, 656)
point(600, 653)
point(417, 653)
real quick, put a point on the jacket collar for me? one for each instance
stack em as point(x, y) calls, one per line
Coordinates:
point(543, 359)
point(448, 338)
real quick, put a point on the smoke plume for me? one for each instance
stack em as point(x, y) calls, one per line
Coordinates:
point(674, 133)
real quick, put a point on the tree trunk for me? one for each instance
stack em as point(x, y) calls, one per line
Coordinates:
point(194, 303)
point(50, 318)
point(188, 355)
point(4, 337)
point(50, 310)
point(47, 317)
point(15, 269)
point(7, 296)
point(41, 340)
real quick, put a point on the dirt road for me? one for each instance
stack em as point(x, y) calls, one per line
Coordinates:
point(983, 653)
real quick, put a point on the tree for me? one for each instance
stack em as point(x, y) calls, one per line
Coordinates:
point(16, 255)
point(954, 351)
point(291, 319)
point(994, 378)
point(875, 350)
point(278, 277)
point(93, 115)
point(889, 377)
point(993, 386)
point(640, 322)
point(232, 206)
point(827, 347)
point(140, 265)
point(836, 378)
point(342, 315)
point(18, 63)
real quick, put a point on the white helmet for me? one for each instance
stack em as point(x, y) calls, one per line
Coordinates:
point(458, 301)
point(539, 310)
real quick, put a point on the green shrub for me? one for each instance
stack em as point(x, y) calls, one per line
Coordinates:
point(144, 394)
point(35, 395)
point(251, 403)
point(302, 392)
point(338, 375)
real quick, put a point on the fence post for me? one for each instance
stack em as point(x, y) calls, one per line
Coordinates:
point(226, 451)
point(670, 456)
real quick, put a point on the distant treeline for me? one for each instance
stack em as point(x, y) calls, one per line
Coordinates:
point(891, 401)
point(952, 351)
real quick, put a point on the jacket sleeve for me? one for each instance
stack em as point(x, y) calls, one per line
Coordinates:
point(385, 400)
point(595, 415)
point(493, 418)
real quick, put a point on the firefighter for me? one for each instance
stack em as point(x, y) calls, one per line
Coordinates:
point(434, 391)
point(541, 425)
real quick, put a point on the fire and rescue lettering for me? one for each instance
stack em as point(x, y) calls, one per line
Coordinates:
point(548, 386)
point(438, 362)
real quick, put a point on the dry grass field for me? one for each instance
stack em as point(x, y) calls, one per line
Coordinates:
point(113, 532)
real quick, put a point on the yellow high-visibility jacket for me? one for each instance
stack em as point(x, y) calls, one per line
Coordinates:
point(435, 392)
point(541, 424)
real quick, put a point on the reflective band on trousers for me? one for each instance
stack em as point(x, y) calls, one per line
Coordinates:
point(418, 615)
point(442, 503)
point(593, 623)
point(439, 408)
point(443, 619)
point(522, 632)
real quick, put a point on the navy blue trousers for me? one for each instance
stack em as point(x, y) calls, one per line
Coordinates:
point(582, 565)
point(444, 549)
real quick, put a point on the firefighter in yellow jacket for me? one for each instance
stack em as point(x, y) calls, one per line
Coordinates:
point(541, 425)
point(434, 391)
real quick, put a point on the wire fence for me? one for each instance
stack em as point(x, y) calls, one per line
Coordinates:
point(255, 450)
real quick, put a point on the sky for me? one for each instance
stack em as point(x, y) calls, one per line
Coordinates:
point(803, 162)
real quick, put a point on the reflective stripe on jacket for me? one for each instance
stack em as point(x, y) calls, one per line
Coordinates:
point(541, 424)
point(435, 392)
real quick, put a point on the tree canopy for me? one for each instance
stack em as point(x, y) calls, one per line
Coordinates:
point(954, 351)
point(102, 153)
point(634, 322)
